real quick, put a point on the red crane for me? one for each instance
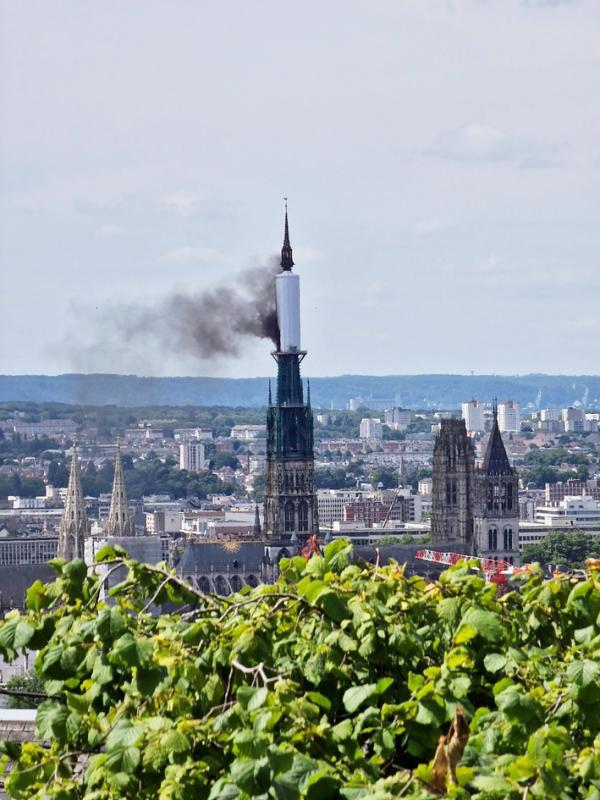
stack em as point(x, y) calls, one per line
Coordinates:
point(494, 570)
point(311, 547)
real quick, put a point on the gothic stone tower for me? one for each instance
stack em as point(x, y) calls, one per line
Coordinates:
point(453, 479)
point(496, 506)
point(74, 524)
point(290, 512)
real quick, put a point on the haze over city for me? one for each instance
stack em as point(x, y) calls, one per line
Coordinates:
point(441, 159)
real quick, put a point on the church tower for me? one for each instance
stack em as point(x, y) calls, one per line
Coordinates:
point(290, 513)
point(496, 507)
point(453, 487)
point(74, 523)
point(119, 521)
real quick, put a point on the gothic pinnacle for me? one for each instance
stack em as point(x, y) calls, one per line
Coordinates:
point(119, 519)
point(74, 524)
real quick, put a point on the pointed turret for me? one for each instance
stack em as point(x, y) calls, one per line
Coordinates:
point(74, 524)
point(119, 519)
point(287, 262)
point(496, 461)
point(257, 529)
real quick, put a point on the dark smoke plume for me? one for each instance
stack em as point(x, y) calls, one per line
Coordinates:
point(217, 321)
point(201, 324)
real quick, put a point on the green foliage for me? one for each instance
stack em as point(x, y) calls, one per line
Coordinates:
point(335, 682)
point(570, 549)
point(220, 460)
point(387, 477)
point(154, 476)
point(334, 479)
point(28, 682)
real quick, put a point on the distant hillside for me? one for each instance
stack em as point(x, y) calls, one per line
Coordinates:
point(410, 391)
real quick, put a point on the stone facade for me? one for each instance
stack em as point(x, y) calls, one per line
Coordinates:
point(453, 484)
point(496, 519)
point(475, 509)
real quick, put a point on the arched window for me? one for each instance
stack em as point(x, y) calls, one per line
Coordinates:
point(509, 496)
point(492, 539)
point(490, 497)
point(303, 515)
point(288, 522)
point(508, 539)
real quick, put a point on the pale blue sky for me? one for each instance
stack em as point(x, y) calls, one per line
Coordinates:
point(442, 160)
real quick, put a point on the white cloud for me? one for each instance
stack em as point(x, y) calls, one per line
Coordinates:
point(433, 227)
point(193, 254)
point(587, 322)
point(547, 3)
point(307, 255)
point(109, 231)
point(479, 142)
point(183, 204)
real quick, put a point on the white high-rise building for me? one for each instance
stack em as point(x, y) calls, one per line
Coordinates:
point(371, 429)
point(472, 413)
point(509, 417)
point(573, 420)
point(549, 415)
point(191, 456)
point(397, 419)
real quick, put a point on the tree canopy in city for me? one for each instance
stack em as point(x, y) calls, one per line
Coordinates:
point(570, 549)
point(341, 680)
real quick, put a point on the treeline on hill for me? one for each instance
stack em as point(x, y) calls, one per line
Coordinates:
point(342, 680)
point(542, 466)
point(111, 420)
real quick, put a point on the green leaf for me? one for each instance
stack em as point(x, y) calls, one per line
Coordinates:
point(321, 786)
point(333, 605)
point(36, 596)
point(251, 698)
point(487, 624)
point(494, 786)
point(75, 570)
point(23, 634)
point(122, 759)
point(355, 697)
point(583, 673)
point(342, 731)
point(51, 721)
point(465, 634)
point(319, 699)
point(130, 650)
point(110, 624)
point(494, 662)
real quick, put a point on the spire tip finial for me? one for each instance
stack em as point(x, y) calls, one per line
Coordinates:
point(287, 261)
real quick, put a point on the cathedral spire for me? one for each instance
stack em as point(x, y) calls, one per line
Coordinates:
point(287, 262)
point(119, 519)
point(74, 524)
point(496, 461)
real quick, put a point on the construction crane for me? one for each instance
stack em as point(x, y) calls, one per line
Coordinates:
point(311, 547)
point(494, 570)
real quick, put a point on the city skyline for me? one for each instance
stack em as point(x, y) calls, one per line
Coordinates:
point(458, 204)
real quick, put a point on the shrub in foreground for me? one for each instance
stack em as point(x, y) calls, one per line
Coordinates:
point(338, 681)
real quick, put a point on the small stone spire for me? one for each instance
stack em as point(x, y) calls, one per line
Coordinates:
point(287, 262)
point(119, 519)
point(74, 523)
point(257, 529)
